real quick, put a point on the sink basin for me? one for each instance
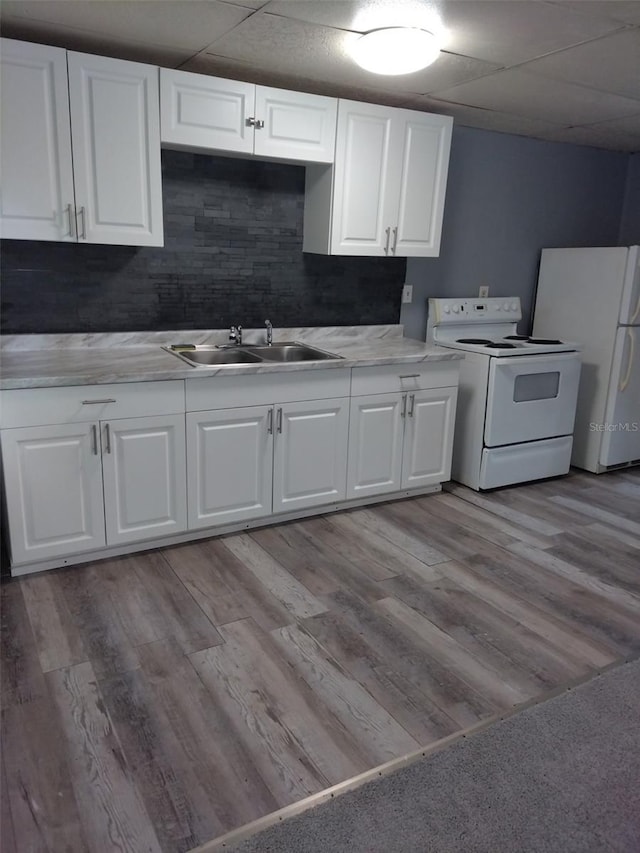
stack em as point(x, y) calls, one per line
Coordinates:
point(285, 351)
point(210, 357)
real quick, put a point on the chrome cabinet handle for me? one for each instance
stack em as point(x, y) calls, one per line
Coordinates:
point(94, 439)
point(97, 402)
point(81, 213)
point(259, 124)
point(410, 376)
point(395, 240)
point(270, 422)
point(279, 420)
point(403, 410)
point(387, 231)
point(107, 435)
point(69, 209)
point(412, 404)
point(250, 122)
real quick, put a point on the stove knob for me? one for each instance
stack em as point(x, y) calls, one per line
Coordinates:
point(505, 305)
point(455, 309)
point(498, 307)
point(446, 309)
point(514, 306)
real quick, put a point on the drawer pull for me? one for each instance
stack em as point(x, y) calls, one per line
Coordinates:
point(411, 376)
point(98, 402)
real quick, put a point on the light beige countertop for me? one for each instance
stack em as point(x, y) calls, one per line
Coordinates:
point(40, 361)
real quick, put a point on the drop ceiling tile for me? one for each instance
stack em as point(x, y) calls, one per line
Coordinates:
point(530, 96)
point(510, 32)
point(180, 24)
point(89, 42)
point(610, 64)
point(625, 11)
point(485, 119)
point(249, 4)
point(363, 15)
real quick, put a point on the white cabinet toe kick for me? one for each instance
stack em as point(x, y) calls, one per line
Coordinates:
point(92, 472)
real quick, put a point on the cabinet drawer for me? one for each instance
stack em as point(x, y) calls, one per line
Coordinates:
point(403, 377)
point(261, 389)
point(79, 403)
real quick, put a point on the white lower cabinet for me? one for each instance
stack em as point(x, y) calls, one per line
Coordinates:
point(400, 439)
point(248, 462)
point(428, 437)
point(310, 454)
point(287, 453)
point(88, 469)
point(53, 485)
point(144, 472)
point(229, 459)
point(95, 478)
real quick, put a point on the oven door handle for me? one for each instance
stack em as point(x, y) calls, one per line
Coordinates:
point(627, 376)
point(534, 362)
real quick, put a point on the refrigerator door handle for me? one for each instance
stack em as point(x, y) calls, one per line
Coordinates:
point(625, 381)
point(636, 313)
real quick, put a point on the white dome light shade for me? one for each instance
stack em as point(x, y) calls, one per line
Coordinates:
point(397, 50)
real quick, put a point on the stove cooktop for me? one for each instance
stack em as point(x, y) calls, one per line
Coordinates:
point(509, 345)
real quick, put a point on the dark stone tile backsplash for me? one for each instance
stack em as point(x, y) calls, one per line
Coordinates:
point(232, 254)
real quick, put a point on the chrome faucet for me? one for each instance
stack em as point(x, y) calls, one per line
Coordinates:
point(235, 335)
point(269, 332)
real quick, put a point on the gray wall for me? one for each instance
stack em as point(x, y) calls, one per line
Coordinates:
point(630, 222)
point(507, 198)
point(232, 254)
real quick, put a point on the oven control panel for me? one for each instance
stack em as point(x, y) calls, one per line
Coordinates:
point(488, 310)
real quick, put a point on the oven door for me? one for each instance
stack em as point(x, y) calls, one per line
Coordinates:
point(531, 397)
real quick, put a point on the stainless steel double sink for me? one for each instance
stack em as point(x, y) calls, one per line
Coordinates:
point(204, 355)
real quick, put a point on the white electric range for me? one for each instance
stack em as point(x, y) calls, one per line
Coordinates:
point(517, 395)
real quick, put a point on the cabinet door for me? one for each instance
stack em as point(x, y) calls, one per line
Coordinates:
point(229, 465)
point(297, 126)
point(53, 478)
point(362, 220)
point(310, 453)
point(37, 199)
point(428, 439)
point(204, 112)
point(426, 142)
point(145, 482)
point(375, 444)
point(115, 130)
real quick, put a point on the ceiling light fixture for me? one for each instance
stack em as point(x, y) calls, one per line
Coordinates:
point(396, 50)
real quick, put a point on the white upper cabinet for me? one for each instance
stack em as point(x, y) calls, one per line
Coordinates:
point(37, 200)
point(115, 130)
point(385, 194)
point(106, 112)
point(214, 114)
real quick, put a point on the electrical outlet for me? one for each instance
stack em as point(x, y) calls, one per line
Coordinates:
point(483, 292)
point(407, 293)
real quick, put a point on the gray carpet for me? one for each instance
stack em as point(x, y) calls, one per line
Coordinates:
point(562, 776)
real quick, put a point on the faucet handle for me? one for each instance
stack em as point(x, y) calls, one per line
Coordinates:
point(269, 332)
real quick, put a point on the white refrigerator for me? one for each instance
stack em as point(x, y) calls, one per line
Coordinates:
point(592, 296)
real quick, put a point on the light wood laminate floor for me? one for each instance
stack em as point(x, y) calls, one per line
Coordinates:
point(154, 702)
